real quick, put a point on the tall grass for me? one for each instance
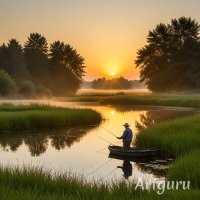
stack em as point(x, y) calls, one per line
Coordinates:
point(34, 183)
point(154, 100)
point(22, 107)
point(182, 138)
point(187, 167)
point(179, 136)
point(33, 117)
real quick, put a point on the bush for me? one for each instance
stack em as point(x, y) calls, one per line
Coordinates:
point(7, 84)
point(27, 89)
point(43, 92)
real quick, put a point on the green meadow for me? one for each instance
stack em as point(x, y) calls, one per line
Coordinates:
point(35, 116)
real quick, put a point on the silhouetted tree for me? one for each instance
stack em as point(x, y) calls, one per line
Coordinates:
point(36, 55)
point(115, 83)
point(170, 60)
point(68, 65)
point(61, 69)
point(13, 62)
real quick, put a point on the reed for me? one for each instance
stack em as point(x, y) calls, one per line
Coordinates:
point(35, 183)
point(192, 101)
point(178, 136)
point(187, 167)
point(33, 117)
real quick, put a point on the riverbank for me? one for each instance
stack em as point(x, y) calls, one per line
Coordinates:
point(180, 137)
point(35, 116)
point(34, 183)
point(187, 100)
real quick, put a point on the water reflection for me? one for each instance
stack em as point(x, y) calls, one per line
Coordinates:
point(38, 143)
point(154, 165)
point(126, 168)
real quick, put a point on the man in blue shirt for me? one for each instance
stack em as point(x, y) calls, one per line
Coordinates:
point(126, 137)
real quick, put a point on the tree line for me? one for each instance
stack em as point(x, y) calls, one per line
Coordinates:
point(37, 68)
point(170, 61)
point(115, 83)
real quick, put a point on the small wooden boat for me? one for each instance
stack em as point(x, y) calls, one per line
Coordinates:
point(133, 152)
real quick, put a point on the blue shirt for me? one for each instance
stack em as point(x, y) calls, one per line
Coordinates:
point(127, 135)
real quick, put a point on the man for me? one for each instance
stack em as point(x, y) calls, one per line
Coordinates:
point(126, 137)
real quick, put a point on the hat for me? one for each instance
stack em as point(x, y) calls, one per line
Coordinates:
point(126, 124)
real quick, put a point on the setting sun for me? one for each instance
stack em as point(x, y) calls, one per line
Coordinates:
point(113, 74)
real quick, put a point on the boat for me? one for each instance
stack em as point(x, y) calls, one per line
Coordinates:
point(132, 153)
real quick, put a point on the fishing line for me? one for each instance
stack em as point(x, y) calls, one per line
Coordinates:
point(109, 173)
point(99, 167)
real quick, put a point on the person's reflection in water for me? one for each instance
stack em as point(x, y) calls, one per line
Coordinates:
point(126, 168)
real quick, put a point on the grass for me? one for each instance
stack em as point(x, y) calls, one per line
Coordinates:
point(178, 136)
point(182, 138)
point(34, 183)
point(187, 167)
point(154, 100)
point(35, 116)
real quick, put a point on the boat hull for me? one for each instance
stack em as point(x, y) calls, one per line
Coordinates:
point(132, 153)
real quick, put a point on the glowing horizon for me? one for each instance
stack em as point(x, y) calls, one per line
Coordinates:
point(106, 33)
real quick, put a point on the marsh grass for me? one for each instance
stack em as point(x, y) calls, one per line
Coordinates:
point(22, 107)
point(35, 116)
point(178, 136)
point(178, 100)
point(187, 167)
point(34, 183)
point(181, 137)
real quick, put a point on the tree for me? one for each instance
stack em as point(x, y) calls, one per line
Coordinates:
point(35, 69)
point(115, 83)
point(36, 43)
point(68, 65)
point(13, 62)
point(7, 84)
point(36, 55)
point(165, 62)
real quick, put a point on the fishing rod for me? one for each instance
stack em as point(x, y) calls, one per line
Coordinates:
point(109, 131)
point(102, 149)
point(104, 139)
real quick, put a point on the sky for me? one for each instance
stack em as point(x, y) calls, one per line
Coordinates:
point(107, 33)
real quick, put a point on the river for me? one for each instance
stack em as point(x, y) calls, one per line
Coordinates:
point(84, 150)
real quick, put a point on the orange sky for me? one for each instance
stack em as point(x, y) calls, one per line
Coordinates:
point(107, 33)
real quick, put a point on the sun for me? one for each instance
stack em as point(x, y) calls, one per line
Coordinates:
point(112, 74)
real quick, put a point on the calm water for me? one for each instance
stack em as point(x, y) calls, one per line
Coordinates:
point(81, 150)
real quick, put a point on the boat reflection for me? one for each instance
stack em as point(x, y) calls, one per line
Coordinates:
point(154, 166)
